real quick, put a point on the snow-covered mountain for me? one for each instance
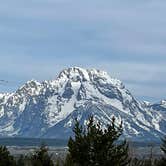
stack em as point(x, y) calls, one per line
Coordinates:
point(48, 109)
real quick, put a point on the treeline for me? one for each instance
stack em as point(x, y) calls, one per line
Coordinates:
point(91, 146)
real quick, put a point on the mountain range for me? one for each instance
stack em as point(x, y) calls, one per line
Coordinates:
point(48, 109)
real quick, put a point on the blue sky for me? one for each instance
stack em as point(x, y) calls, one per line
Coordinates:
point(126, 38)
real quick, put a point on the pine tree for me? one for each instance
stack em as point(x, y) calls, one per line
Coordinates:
point(41, 157)
point(163, 148)
point(21, 161)
point(95, 147)
point(5, 158)
point(69, 161)
point(78, 147)
point(57, 163)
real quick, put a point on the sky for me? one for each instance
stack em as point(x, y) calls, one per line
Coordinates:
point(39, 38)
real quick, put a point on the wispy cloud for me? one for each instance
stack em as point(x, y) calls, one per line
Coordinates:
point(40, 38)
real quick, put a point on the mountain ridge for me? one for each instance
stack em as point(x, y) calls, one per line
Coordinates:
point(48, 109)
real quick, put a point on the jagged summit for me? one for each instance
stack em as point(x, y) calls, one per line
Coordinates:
point(163, 102)
point(49, 108)
point(79, 74)
point(74, 72)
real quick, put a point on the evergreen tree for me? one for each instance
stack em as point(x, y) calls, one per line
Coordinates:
point(57, 162)
point(5, 158)
point(69, 161)
point(163, 148)
point(94, 146)
point(41, 157)
point(21, 161)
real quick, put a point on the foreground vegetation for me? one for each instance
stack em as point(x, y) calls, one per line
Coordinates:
point(91, 146)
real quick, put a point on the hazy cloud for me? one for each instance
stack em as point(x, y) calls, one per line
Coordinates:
point(39, 38)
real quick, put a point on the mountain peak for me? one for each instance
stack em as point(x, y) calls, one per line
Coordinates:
point(31, 87)
point(75, 74)
point(163, 102)
point(79, 74)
